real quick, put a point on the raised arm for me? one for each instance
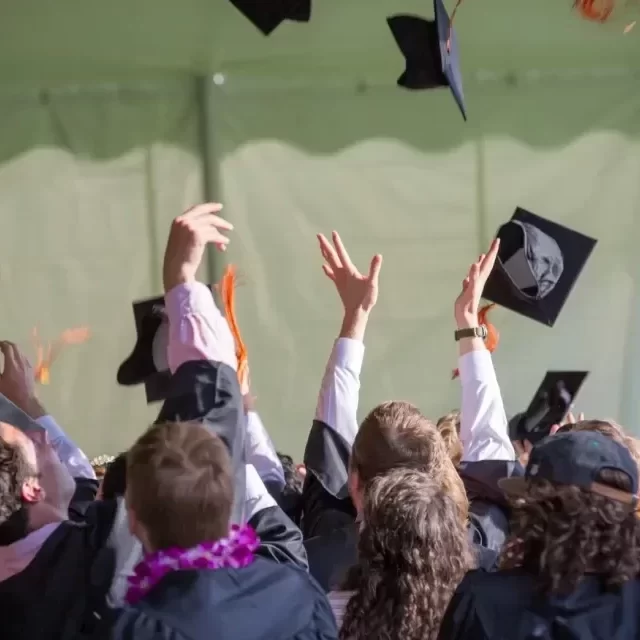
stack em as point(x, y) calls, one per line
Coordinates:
point(483, 422)
point(336, 424)
point(17, 384)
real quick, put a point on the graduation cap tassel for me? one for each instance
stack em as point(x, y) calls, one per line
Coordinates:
point(227, 289)
point(595, 10)
point(493, 336)
point(45, 357)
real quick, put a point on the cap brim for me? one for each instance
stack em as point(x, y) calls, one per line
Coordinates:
point(513, 486)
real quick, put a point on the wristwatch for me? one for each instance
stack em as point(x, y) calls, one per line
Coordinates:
point(471, 332)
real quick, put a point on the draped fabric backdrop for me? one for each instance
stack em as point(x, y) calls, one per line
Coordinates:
point(114, 118)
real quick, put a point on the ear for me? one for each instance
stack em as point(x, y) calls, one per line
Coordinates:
point(32, 492)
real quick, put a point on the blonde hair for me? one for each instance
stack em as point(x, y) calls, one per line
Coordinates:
point(449, 428)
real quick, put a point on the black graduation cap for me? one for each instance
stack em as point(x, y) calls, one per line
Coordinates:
point(266, 15)
point(430, 49)
point(14, 416)
point(550, 405)
point(538, 264)
point(148, 363)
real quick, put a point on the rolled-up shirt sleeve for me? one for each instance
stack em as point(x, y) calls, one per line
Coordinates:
point(69, 453)
point(483, 423)
point(340, 390)
point(197, 329)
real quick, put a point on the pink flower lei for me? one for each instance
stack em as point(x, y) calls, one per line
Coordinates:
point(234, 552)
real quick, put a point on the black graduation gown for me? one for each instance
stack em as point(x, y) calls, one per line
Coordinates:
point(264, 601)
point(506, 605)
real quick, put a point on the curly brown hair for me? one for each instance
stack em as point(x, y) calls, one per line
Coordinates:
point(413, 550)
point(560, 533)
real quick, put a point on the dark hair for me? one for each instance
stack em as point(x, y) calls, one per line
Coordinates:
point(293, 480)
point(114, 482)
point(180, 485)
point(396, 435)
point(14, 472)
point(560, 533)
point(413, 550)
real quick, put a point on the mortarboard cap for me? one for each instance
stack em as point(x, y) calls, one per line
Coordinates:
point(14, 416)
point(148, 363)
point(538, 263)
point(549, 406)
point(267, 15)
point(430, 49)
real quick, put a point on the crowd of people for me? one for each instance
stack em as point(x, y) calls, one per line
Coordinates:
point(399, 527)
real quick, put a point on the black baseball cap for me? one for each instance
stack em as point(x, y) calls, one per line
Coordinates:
point(430, 50)
point(549, 405)
point(576, 458)
point(267, 15)
point(538, 264)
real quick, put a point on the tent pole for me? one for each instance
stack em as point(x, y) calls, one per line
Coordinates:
point(210, 179)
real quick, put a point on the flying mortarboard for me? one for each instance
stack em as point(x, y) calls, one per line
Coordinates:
point(549, 406)
point(538, 264)
point(148, 363)
point(430, 49)
point(267, 15)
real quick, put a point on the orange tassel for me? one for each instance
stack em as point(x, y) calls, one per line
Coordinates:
point(595, 10)
point(227, 289)
point(45, 357)
point(493, 336)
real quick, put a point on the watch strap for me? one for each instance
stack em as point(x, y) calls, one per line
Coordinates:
point(471, 332)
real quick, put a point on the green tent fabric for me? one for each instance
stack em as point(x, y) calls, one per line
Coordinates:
point(114, 117)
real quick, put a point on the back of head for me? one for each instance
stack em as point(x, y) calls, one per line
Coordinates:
point(14, 472)
point(396, 435)
point(562, 532)
point(610, 429)
point(413, 551)
point(179, 486)
point(449, 428)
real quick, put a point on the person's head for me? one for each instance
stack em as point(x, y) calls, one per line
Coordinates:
point(293, 479)
point(449, 428)
point(179, 487)
point(396, 434)
point(574, 512)
point(413, 550)
point(610, 429)
point(35, 487)
point(114, 480)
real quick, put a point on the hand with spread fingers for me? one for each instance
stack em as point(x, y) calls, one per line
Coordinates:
point(17, 380)
point(190, 234)
point(358, 292)
point(468, 302)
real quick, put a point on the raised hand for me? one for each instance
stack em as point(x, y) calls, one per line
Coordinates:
point(17, 380)
point(190, 234)
point(468, 302)
point(357, 292)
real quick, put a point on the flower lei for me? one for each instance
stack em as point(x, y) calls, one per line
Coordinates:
point(234, 552)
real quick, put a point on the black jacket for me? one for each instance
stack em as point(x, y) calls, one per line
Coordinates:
point(506, 605)
point(264, 601)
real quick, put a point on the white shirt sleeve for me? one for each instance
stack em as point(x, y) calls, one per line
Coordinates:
point(257, 497)
point(483, 423)
point(340, 391)
point(260, 452)
point(69, 453)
